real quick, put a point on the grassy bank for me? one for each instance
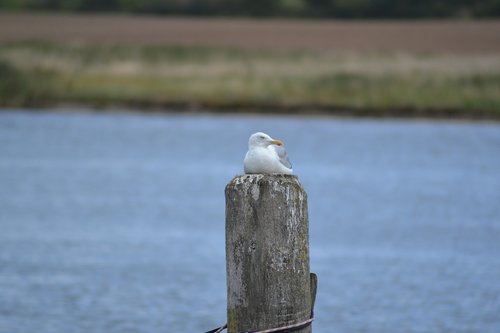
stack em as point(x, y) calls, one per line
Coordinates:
point(41, 74)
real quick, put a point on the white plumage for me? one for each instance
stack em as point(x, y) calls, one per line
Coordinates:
point(266, 155)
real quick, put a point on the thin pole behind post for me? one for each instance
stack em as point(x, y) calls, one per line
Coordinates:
point(267, 253)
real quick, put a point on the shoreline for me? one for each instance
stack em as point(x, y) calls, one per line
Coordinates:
point(327, 113)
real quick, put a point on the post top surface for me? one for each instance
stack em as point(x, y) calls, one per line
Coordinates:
point(259, 178)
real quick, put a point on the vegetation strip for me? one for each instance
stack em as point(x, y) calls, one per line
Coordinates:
point(374, 84)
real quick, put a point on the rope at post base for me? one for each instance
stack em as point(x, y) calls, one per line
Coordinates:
point(284, 329)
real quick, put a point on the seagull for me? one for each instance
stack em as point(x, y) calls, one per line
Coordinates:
point(266, 155)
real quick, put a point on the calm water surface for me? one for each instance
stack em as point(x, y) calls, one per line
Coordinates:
point(115, 223)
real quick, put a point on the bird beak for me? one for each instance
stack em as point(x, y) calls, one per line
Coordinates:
point(277, 142)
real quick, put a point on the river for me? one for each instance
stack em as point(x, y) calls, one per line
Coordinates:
point(114, 222)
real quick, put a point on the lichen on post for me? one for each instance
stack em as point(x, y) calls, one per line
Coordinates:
point(267, 250)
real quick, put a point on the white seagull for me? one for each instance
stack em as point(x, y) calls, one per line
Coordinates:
point(266, 155)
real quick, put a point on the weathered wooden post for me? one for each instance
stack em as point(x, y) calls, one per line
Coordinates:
point(267, 254)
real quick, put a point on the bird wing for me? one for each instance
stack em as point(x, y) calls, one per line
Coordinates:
point(283, 156)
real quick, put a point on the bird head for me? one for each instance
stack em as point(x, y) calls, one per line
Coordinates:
point(260, 139)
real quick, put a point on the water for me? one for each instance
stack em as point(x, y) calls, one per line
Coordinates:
point(115, 223)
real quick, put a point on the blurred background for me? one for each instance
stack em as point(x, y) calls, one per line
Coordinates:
point(121, 122)
point(399, 58)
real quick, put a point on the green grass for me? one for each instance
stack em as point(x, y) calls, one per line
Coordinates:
point(39, 73)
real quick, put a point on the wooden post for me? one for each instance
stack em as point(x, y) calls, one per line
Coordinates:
point(267, 253)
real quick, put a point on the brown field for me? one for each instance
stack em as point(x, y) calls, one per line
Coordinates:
point(458, 37)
